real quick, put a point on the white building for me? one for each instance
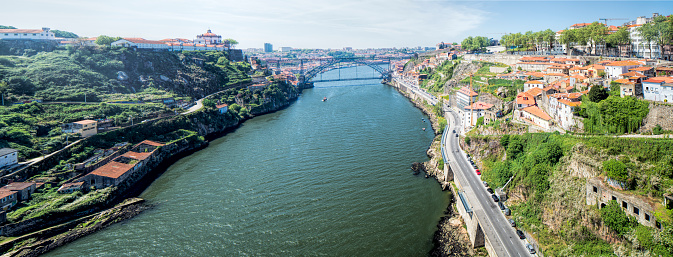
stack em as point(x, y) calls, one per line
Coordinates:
point(40, 34)
point(141, 43)
point(614, 69)
point(561, 108)
point(640, 47)
point(658, 89)
point(8, 156)
point(535, 116)
point(463, 97)
point(208, 38)
point(85, 128)
point(532, 84)
point(285, 49)
point(473, 112)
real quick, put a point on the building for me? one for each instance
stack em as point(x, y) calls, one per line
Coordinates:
point(285, 49)
point(531, 84)
point(524, 99)
point(35, 34)
point(68, 188)
point(222, 108)
point(22, 189)
point(208, 38)
point(562, 106)
point(121, 168)
point(598, 193)
point(168, 45)
point(614, 69)
point(8, 157)
point(535, 116)
point(658, 89)
point(85, 128)
point(476, 110)
point(7, 199)
point(268, 47)
point(465, 96)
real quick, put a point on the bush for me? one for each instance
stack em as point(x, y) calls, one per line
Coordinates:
point(657, 130)
point(616, 170)
point(467, 140)
point(614, 218)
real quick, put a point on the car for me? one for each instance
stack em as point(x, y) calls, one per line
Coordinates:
point(512, 222)
point(485, 183)
point(495, 198)
point(501, 205)
point(456, 135)
point(489, 190)
point(507, 211)
point(520, 234)
point(530, 248)
point(478, 173)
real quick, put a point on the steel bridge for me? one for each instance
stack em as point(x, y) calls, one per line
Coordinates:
point(326, 64)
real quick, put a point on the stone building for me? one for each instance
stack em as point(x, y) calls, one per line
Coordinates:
point(599, 194)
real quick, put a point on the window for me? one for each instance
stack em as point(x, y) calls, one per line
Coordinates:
point(625, 205)
point(636, 211)
point(647, 217)
point(595, 190)
point(657, 224)
point(614, 198)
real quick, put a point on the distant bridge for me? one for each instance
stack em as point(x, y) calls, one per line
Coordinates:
point(326, 64)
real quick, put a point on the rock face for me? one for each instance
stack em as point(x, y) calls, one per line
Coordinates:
point(451, 238)
point(417, 168)
point(26, 47)
point(659, 114)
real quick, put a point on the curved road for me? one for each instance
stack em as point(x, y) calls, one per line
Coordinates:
point(497, 229)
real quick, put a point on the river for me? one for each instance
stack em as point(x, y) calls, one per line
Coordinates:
point(317, 178)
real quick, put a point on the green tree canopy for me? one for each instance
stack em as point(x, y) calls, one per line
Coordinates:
point(105, 40)
point(614, 218)
point(65, 34)
point(597, 94)
point(7, 27)
point(616, 170)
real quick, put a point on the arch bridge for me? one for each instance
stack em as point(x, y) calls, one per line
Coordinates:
point(310, 68)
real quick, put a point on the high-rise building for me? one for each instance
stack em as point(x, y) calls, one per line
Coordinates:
point(268, 47)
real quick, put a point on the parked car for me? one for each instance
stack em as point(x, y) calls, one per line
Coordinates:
point(530, 248)
point(507, 211)
point(495, 198)
point(512, 222)
point(485, 183)
point(520, 234)
point(489, 190)
point(456, 135)
point(501, 205)
point(478, 172)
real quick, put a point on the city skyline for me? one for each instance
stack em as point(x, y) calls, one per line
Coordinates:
point(320, 24)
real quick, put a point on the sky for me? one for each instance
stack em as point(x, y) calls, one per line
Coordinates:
point(317, 23)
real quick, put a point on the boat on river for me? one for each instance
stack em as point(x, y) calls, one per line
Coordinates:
point(324, 99)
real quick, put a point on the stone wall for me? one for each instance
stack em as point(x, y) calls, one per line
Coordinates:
point(599, 194)
point(660, 113)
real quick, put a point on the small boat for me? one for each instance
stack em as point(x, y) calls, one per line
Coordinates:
point(324, 99)
point(423, 129)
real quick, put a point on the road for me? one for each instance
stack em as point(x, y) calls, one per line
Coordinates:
point(496, 228)
point(428, 97)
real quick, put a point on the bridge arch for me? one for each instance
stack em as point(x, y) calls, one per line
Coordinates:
point(312, 73)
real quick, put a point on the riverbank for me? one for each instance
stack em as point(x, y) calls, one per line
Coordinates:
point(451, 238)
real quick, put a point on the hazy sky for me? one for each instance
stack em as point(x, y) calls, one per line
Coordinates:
point(317, 23)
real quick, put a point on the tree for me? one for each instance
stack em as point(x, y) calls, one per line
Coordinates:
point(649, 34)
point(568, 37)
point(595, 34)
point(620, 38)
point(614, 218)
point(597, 94)
point(105, 40)
point(209, 103)
point(7, 27)
point(231, 42)
point(616, 170)
point(65, 34)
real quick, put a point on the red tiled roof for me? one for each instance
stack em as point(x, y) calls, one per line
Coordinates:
point(644, 68)
point(26, 31)
point(466, 91)
point(85, 122)
point(16, 186)
point(6, 193)
point(624, 63)
point(525, 98)
point(479, 106)
point(633, 74)
point(659, 80)
point(534, 91)
point(536, 111)
point(147, 142)
point(534, 82)
point(144, 41)
point(136, 156)
point(221, 106)
point(569, 103)
point(113, 169)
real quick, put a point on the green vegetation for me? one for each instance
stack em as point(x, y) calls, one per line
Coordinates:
point(613, 115)
point(529, 41)
point(438, 77)
point(614, 218)
point(64, 34)
point(35, 127)
point(616, 170)
point(475, 44)
point(597, 94)
point(7, 27)
point(660, 31)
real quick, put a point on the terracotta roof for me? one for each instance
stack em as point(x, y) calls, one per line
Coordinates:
point(623, 81)
point(16, 186)
point(579, 77)
point(144, 41)
point(555, 74)
point(644, 68)
point(536, 111)
point(479, 106)
point(534, 82)
point(136, 155)
point(624, 63)
point(70, 185)
point(534, 91)
point(112, 170)
point(6, 193)
point(147, 142)
point(221, 106)
point(525, 98)
point(466, 91)
point(664, 69)
point(632, 74)
point(85, 122)
point(26, 31)
point(659, 80)
point(569, 103)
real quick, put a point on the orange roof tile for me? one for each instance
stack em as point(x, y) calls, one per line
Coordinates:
point(569, 103)
point(147, 142)
point(26, 31)
point(112, 169)
point(525, 99)
point(624, 63)
point(136, 155)
point(534, 91)
point(536, 111)
point(466, 91)
point(534, 82)
point(479, 106)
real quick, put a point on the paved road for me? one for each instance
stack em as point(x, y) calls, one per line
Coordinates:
point(428, 97)
point(500, 234)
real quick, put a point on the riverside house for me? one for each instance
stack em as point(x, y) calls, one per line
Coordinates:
point(7, 199)
point(85, 128)
point(118, 170)
point(23, 189)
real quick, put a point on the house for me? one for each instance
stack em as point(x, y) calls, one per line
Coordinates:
point(208, 38)
point(34, 34)
point(85, 128)
point(465, 96)
point(8, 157)
point(595, 69)
point(535, 116)
point(658, 89)
point(68, 188)
point(524, 99)
point(645, 70)
point(531, 84)
point(614, 69)
point(222, 108)
point(476, 110)
point(118, 170)
point(23, 189)
point(7, 199)
point(551, 77)
point(562, 107)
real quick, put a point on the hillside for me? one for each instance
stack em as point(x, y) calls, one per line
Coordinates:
point(548, 193)
point(105, 74)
